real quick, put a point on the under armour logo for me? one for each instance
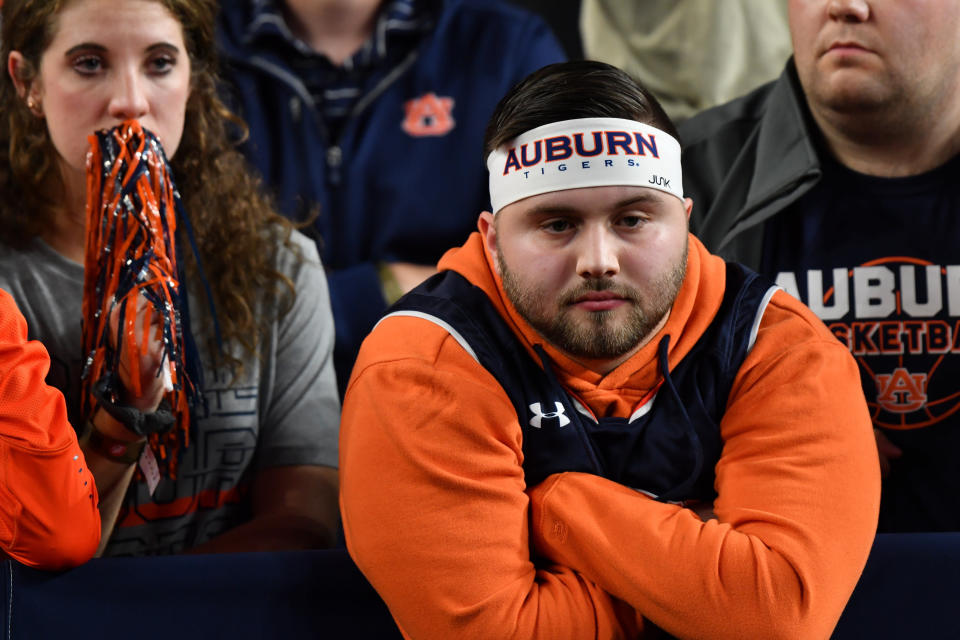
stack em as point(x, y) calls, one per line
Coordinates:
point(428, 115)
point(539, 415)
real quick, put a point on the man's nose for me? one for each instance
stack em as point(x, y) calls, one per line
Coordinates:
point(129, 99)
point(849, 10)
point(598, 253)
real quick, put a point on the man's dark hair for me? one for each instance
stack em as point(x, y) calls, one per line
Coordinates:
point(568, 90)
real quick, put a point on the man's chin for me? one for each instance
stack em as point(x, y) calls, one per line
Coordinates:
point(601, 336)
point(855, 90)
point(599, 353)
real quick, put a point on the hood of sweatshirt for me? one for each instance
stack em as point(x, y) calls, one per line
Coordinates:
point(620, 391)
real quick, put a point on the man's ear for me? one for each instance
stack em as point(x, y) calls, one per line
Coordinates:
point(688, 206)
point(487, 226)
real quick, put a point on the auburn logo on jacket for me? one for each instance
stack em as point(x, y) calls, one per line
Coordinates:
point(428, 115)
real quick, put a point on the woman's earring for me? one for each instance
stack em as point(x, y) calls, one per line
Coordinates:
point(34, 106)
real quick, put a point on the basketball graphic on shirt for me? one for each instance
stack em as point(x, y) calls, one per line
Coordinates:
point(900, 318)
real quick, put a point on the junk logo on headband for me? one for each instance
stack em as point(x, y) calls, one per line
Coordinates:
point(585, 152)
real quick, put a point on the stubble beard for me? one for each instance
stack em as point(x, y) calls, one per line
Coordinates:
point(600, 336)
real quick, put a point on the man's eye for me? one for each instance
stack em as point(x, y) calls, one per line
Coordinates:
point(631, 221)
point(87, 65)
point(557, 226)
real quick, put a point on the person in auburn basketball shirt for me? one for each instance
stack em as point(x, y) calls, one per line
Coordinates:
point(838, 180)
point(48, 498)
point(586, 425)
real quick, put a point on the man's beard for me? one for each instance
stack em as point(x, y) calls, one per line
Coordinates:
point(600, 336)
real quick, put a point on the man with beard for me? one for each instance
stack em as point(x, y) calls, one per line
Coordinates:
point(586, 425)
point(838, 180)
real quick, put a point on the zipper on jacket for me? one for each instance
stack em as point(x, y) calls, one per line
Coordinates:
point(334, 160)
point(335, 151)
point(296, 109)
point(334, 154)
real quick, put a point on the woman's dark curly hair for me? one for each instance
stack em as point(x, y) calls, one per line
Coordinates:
point(237, 229)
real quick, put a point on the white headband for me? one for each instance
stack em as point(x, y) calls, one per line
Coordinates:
point(585, 152)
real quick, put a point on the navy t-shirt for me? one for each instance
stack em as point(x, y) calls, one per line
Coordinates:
point(878, 260)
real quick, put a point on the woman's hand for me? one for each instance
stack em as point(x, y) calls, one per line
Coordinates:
point(150, 380)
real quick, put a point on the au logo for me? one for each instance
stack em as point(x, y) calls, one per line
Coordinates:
point(539, 416)
point(901, 391)
point(428, 115)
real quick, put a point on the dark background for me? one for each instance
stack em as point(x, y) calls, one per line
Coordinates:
point(563, 16)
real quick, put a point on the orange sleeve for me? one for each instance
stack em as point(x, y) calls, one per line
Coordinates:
point(433, 502)
point(48, 501)
point(798, 488)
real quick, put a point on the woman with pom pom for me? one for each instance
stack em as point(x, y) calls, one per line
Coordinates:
point(194, 350)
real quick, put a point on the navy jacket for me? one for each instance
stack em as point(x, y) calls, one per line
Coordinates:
point(383, 194)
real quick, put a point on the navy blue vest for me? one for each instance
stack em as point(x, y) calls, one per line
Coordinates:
point(668, 449)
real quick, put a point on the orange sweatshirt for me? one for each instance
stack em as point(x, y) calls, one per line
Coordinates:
point(48, 501)
point(438, 517)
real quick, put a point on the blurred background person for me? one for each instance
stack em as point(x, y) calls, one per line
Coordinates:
point(368, 113)
point(838, 180)
point(692, 54)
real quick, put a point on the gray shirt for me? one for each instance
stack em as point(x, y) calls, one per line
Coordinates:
point(282, 410)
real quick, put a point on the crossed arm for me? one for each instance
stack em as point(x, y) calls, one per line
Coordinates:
point(437, 516)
